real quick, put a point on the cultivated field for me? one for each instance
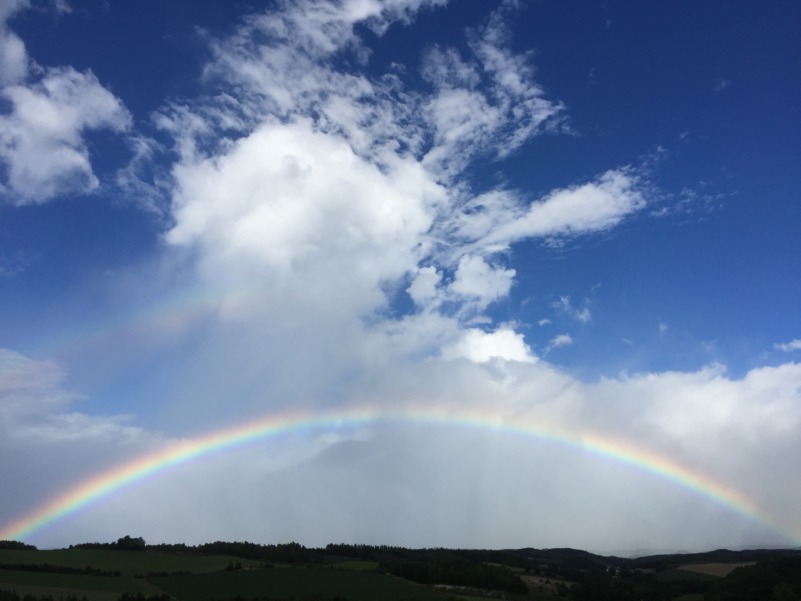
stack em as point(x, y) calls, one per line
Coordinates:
point(297, 582)
point(543, 587)
point(58, 593)
point(200, 578)
point(719, 570)
point(128, 563)
point(72, 582)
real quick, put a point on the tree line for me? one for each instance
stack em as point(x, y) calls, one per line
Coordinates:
point(16, 545)
point(126, 543)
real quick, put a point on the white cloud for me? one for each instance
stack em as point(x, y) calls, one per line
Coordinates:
point(495, 220)
point(42, 145)
point(9, 7)
point(295, 214)
point(590, 207)
point(560, 340)
point(13, 57)
point(565, 306)
point(480, 282)
point(27, 386)
point(470, 119)
point(35, 407)
point(424, 286)
point(479, 346)
point(787, 347)
point(41, 140)
point(583, 314)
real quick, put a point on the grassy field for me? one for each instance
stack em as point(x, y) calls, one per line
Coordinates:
point(206, 577)
point(355, 564)
point(718, 570)
point(355, 585)
point(74, 582)
point(129, 563)
point(679, 574)
point(59, 593)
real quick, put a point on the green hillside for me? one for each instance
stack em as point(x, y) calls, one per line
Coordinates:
point(242, 571)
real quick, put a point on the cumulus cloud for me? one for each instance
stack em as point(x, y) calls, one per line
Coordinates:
point(297, 212)
point(479, 346)
point(41, 139)
point(331, 172)
point(424, 285)
point(42, 146)
point(476, 279)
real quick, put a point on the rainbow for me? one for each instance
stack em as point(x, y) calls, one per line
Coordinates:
point(106, 483)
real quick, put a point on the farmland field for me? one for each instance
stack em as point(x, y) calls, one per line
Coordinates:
point(674, 574)
point(128, 563)
point(73, 582)
point(718, 570)
point(542, 587)
point(294, 582)
point(58, 592)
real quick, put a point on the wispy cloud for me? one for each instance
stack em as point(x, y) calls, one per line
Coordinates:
point(16, 263)
point(486, 104)
point(565, 306)
point(560, 340)
point(721, 83)
point(787, 347)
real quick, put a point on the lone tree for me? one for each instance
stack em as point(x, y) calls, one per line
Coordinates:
point(131, 544)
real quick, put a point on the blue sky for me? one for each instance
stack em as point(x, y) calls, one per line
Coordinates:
point(579, 215)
